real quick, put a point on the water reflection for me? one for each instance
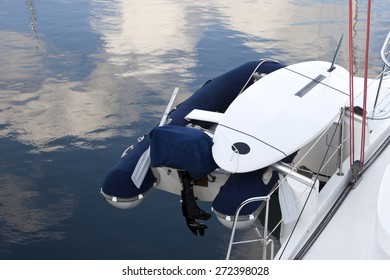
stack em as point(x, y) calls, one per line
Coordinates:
point(150, 38)
point(21, 66)
point(288, 26)
point(56, 110)
point(164, 36)
point(36, 109)
point(22, 216)
point(33, 22)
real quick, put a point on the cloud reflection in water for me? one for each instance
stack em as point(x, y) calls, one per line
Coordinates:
point(22, 216)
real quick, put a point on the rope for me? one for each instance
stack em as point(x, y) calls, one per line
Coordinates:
point(351, 89)
point(365, 84)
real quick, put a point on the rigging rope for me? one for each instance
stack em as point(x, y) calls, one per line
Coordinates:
point(351, 89)
point(365, 84)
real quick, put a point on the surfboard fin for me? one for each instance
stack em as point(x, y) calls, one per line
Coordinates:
point(335, 54)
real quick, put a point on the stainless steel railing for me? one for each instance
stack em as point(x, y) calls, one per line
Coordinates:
point(386, 51)
point(265, 240)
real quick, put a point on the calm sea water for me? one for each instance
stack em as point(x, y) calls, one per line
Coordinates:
point(80, 80)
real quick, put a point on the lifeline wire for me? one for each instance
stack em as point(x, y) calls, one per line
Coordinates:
point(311, 190)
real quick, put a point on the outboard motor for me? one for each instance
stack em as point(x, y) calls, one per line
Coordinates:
point(190, 209)
point(189, 151)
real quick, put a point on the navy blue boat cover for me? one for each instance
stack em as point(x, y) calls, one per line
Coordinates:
point(118, 181)
point(238, 188)
point(182, 148)
point(241, 186)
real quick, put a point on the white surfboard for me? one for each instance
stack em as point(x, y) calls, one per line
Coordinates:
point(278, 115)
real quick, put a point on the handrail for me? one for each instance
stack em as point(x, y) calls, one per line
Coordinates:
point(265, 234)
point(385, 51)
point(254, 72)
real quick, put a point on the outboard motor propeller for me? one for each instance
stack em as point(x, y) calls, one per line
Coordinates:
point(196, 227)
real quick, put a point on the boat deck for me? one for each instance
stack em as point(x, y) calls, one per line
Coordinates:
point(348, 233)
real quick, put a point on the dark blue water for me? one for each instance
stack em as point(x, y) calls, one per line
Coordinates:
point(80, 80)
